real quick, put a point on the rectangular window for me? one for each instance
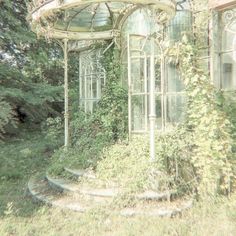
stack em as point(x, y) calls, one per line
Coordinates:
point(227, 52)
point(92, 79)
point(227, 76)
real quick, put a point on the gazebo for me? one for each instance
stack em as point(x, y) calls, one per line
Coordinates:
point(78, 24)
point(156, 96)
point(140, 28)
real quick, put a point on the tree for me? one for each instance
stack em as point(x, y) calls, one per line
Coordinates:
point(30, 69)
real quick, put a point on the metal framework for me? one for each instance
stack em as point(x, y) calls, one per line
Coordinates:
point(155, 91)
point(169, 95)
point(80, 20)
point(90, 19)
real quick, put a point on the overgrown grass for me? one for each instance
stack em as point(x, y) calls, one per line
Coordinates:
point(19, 216)
point(19, 159)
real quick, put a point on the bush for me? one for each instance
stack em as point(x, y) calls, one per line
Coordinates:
point(130, 167)
point(53, 130)
point(6, 116)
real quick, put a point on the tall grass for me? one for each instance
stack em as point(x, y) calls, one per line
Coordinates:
point(19, 216)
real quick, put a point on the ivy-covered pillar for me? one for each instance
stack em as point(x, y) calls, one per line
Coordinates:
point(66, 92)
point(129, 88)
point(215, 59)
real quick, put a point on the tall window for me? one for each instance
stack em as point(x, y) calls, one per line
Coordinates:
point(92, 79)
point(169, 89)
point(174, 89)
point(225, 39)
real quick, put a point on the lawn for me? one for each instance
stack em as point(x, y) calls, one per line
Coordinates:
point(19, 215)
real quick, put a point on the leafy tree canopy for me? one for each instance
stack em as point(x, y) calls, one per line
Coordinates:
point(31, 71)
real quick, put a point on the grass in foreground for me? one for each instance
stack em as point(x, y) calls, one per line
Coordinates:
point(21, 158)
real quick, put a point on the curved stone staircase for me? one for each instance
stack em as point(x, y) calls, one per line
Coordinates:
point(80, 196)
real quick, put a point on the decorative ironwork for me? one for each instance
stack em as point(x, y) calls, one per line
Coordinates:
point(229, 19)
point(93, 19)
point(182, 5)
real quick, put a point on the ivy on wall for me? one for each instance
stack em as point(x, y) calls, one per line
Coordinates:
point(212, 148)
point(90, 133)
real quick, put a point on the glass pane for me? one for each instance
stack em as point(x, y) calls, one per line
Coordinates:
point(88, 83)
point(176, 106)
point(89, 106)
point(138, 74)
point(158, 77)
point(182, 22)
point(138, 113)
point(92, 77)
point(82, 87)
point(174, 83)
point(91, 17)
point(228, 69)
point(159, 107)
point(137, 23)
point(82, 105)
point(228, 40)
point(94, 105)
point(94, 86)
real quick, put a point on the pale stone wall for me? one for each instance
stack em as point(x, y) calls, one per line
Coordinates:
point(221, 4)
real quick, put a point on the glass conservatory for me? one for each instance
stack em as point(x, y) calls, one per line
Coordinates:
point(143, 30)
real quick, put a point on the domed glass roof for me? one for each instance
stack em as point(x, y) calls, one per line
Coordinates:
point(88, 19)
point(92, 17)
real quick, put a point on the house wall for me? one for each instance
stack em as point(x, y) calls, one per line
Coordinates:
point(221, 4)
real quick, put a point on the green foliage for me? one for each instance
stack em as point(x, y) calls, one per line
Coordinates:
point(210, 127)
point(21, 157)
point(21, 216)
point(53, 131)
point(30, 70)
point(6, 116)
point(112, 108)
point(126, 164)
point(173, 157)
point(129, 165)
point(90, 133)
point(227, 101)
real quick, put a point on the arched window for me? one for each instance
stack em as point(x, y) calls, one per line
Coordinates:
point(223, 48)
point(170, 99)
point(92, 79)
point(228, 50)
point(174, 88)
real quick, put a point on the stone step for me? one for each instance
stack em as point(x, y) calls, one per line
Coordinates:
point(69, 186)
point(65, 185)
point(160, 209)
point(78, 173)
point(41, 191)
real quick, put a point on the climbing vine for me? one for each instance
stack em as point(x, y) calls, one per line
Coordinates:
point(113, 108)
point(90, 133)
point(211, 154)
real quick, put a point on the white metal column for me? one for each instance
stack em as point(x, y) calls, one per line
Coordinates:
point(129, 88)
point(66, 103)
point(152, 100)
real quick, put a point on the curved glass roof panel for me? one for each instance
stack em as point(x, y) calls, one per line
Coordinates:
point(77, 19)
point(93, 17)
